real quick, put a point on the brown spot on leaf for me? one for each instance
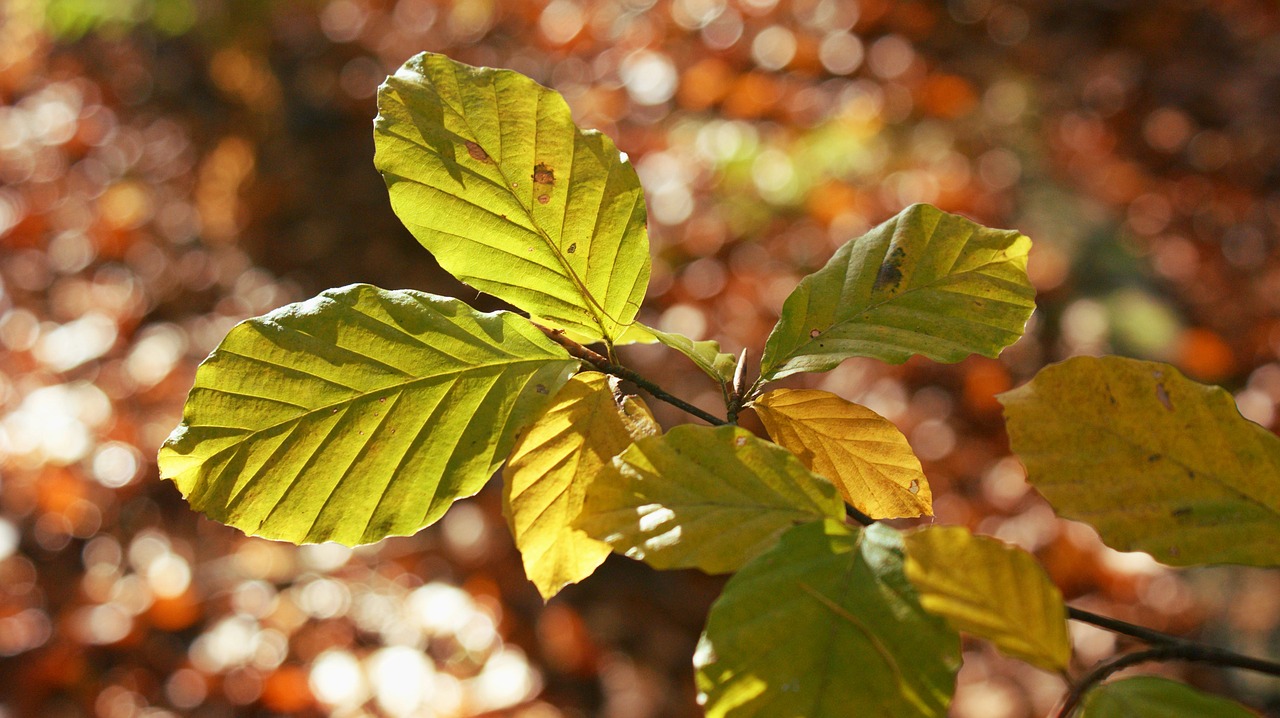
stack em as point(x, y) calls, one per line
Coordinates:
point(890, 273)
point(1154, 458)
point(572, 248)
point(813, 333)
point(541, 388)
point(740, 441)
point(543, 199)
point(542, 174)
point(1163, 396)
point(477, 152)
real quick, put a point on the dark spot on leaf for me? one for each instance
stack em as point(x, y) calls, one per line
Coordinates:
point(890, 273)
point(543, 199)
point(382, 400)
point(1173, 551)
point(542, 174)
point(1163, 396)
point(477, 152)
point(572, 248)
point(914, 487)
point(813, 333)
point(541, 388)
point(1183, 511)
point(1154, 458)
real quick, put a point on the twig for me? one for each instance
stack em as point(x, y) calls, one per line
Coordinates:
point(1115, 625)
point(602, 363)
point(858, 516)
point(1182, 650)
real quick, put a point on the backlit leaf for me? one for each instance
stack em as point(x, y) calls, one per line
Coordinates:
point(825, 625)
point(703, 497)
point(357, 415)
point(486, 168)
point(705, 354)
point(993, 590)
point(1152, 697)
point(863, 453)
point(1152, 460)
point(924, 282)
point(549, 472)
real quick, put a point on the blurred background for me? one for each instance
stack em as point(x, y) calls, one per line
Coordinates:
point(170, 167)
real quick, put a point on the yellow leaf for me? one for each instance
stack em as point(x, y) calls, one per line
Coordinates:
point(1152, 460)
point(993, 590)
point(546, 477)
point(861, 452)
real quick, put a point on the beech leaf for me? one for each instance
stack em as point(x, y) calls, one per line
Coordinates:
point(487, 170)
point(826, 625)
point(702, 497)
point(993, 590)
point(1152, 460)
point(924, 282)
point(861, 452)
point(357, 415)
point(550, 470)
point(1152, 697)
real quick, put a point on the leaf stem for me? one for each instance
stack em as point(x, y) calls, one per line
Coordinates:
point(1179, 650)
point(603, 364)
point(1167, 648)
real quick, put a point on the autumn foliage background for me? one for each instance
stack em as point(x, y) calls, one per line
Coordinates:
point(170, 167)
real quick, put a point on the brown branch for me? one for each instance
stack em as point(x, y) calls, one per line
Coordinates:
point(1183, 650)
point(603, 364)
point(1167, 648)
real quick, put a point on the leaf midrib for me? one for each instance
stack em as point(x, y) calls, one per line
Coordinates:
point(250, 433)
point(593, 305)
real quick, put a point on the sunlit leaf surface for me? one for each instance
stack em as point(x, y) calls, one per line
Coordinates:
point(705, 354)
point(924, 282)
point(863, 453)
point(357, 415)
point(702, 497)
point(1152, 460)
point(550, 471)
point(993, 590)
point(1144, 696)
point(486, 168)
point(826, 625)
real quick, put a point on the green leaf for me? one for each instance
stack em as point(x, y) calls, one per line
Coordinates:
point(924, 282)
point(990, 589)
point(825, 625)
point(705, 354)
point(863, 453)
point(550, 469)
point(1151, 697)
point(487, 170)
point(703, 497)
point(1152, 460)
point(357, 415)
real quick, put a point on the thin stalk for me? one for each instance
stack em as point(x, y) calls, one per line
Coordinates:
point(1183, 650)
point(603, 364)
